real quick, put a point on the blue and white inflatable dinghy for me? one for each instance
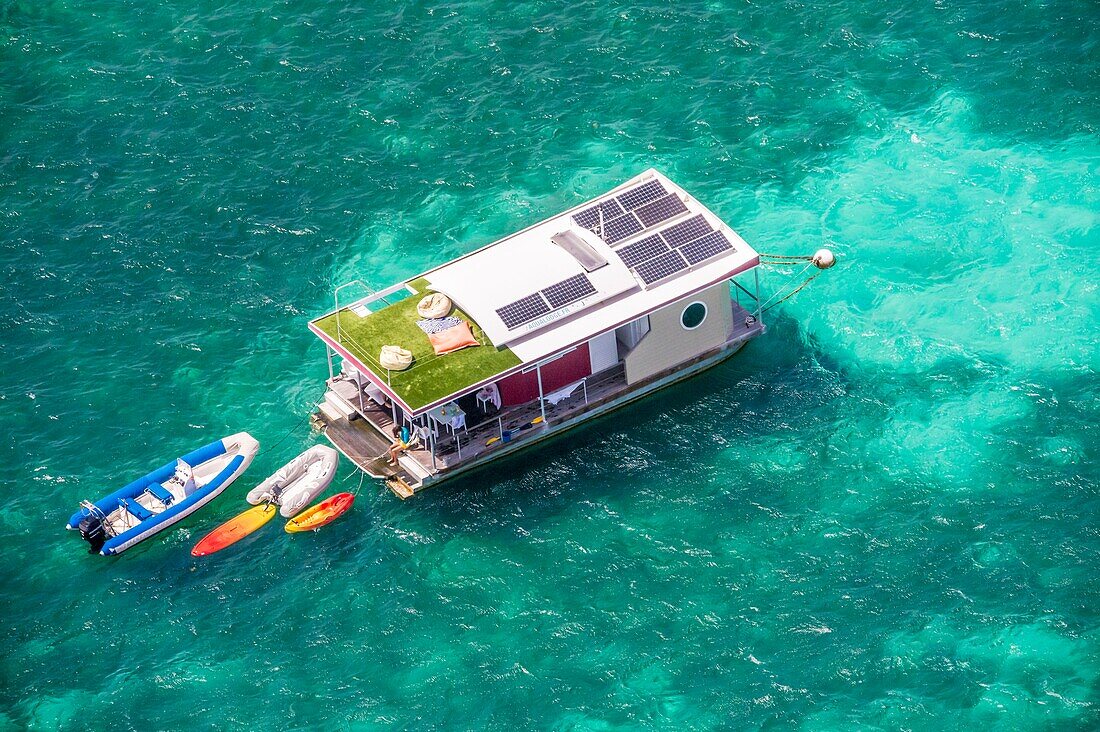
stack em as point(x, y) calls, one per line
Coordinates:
point(169, 494)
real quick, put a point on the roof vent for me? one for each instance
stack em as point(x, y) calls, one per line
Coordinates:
point(581, 250)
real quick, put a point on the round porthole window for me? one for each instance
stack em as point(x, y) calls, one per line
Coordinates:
point(693, 315)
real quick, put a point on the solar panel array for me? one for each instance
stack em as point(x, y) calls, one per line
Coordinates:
point(674, 249)
point(703, 249)
point(631, 211)
point(618, 229)
point(545, 301)
point(680, 234)
point(662, 266)
point(523, 310)
point(660, 210)
point(660, 255)
point(642, 250)
point(568, 291)
point(590, 217)
point(641, 195)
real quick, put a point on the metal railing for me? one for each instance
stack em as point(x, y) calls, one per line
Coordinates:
point(336, 302)
point(755, 311)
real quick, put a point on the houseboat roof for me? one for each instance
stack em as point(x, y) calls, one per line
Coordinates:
point(546, 289)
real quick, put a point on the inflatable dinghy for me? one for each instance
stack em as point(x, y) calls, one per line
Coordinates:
point(294, 485)
point(165, 496)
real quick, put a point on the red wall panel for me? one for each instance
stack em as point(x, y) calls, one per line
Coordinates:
point(520, 388)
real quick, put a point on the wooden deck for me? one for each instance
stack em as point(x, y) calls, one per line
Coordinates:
point(517, 420)
point(364, 438)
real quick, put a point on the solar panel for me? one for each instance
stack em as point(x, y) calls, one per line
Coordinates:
point(679, 234)
point(620, 228)
point(703, 249)
point(523, 310)
point(661, 267)
point(660, 210)
point(642, 250)
point(590, 217)
point(568, 291)
point(641, 195)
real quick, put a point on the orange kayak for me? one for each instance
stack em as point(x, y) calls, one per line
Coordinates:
point(323, 513)
point(235, 529)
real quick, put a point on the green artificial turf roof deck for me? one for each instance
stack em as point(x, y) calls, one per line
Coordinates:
point(431, 377)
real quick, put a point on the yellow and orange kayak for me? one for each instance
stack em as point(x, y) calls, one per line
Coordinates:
point(324, 512)
point(235, 529)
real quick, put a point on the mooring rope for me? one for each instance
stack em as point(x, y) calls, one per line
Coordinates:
point(823, 259)
point(792, 293)
point(786, 257)
point(362, 473)
point(782, 288)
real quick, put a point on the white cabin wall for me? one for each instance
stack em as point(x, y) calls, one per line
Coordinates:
point(668, 343)
point(603, 351)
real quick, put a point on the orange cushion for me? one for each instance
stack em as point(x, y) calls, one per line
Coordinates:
point(453, 339)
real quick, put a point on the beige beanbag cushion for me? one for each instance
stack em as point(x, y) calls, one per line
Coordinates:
point(435, 305)
point(395, 358)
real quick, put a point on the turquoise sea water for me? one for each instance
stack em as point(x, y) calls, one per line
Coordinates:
point(881, 515)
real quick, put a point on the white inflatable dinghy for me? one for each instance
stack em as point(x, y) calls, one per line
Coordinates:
point(296, 484)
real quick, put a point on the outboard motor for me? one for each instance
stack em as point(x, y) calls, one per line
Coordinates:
point(92, 530)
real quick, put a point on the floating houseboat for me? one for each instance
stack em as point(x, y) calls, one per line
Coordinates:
point(533, 334)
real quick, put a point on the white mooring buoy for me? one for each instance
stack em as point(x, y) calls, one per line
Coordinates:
point(823, 259)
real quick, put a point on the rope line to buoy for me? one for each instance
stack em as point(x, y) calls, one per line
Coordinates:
point(792, 293)
point(782, 288)
point(786, 257)
point(823, 259)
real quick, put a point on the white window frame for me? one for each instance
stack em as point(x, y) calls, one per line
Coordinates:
point(706, 312)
